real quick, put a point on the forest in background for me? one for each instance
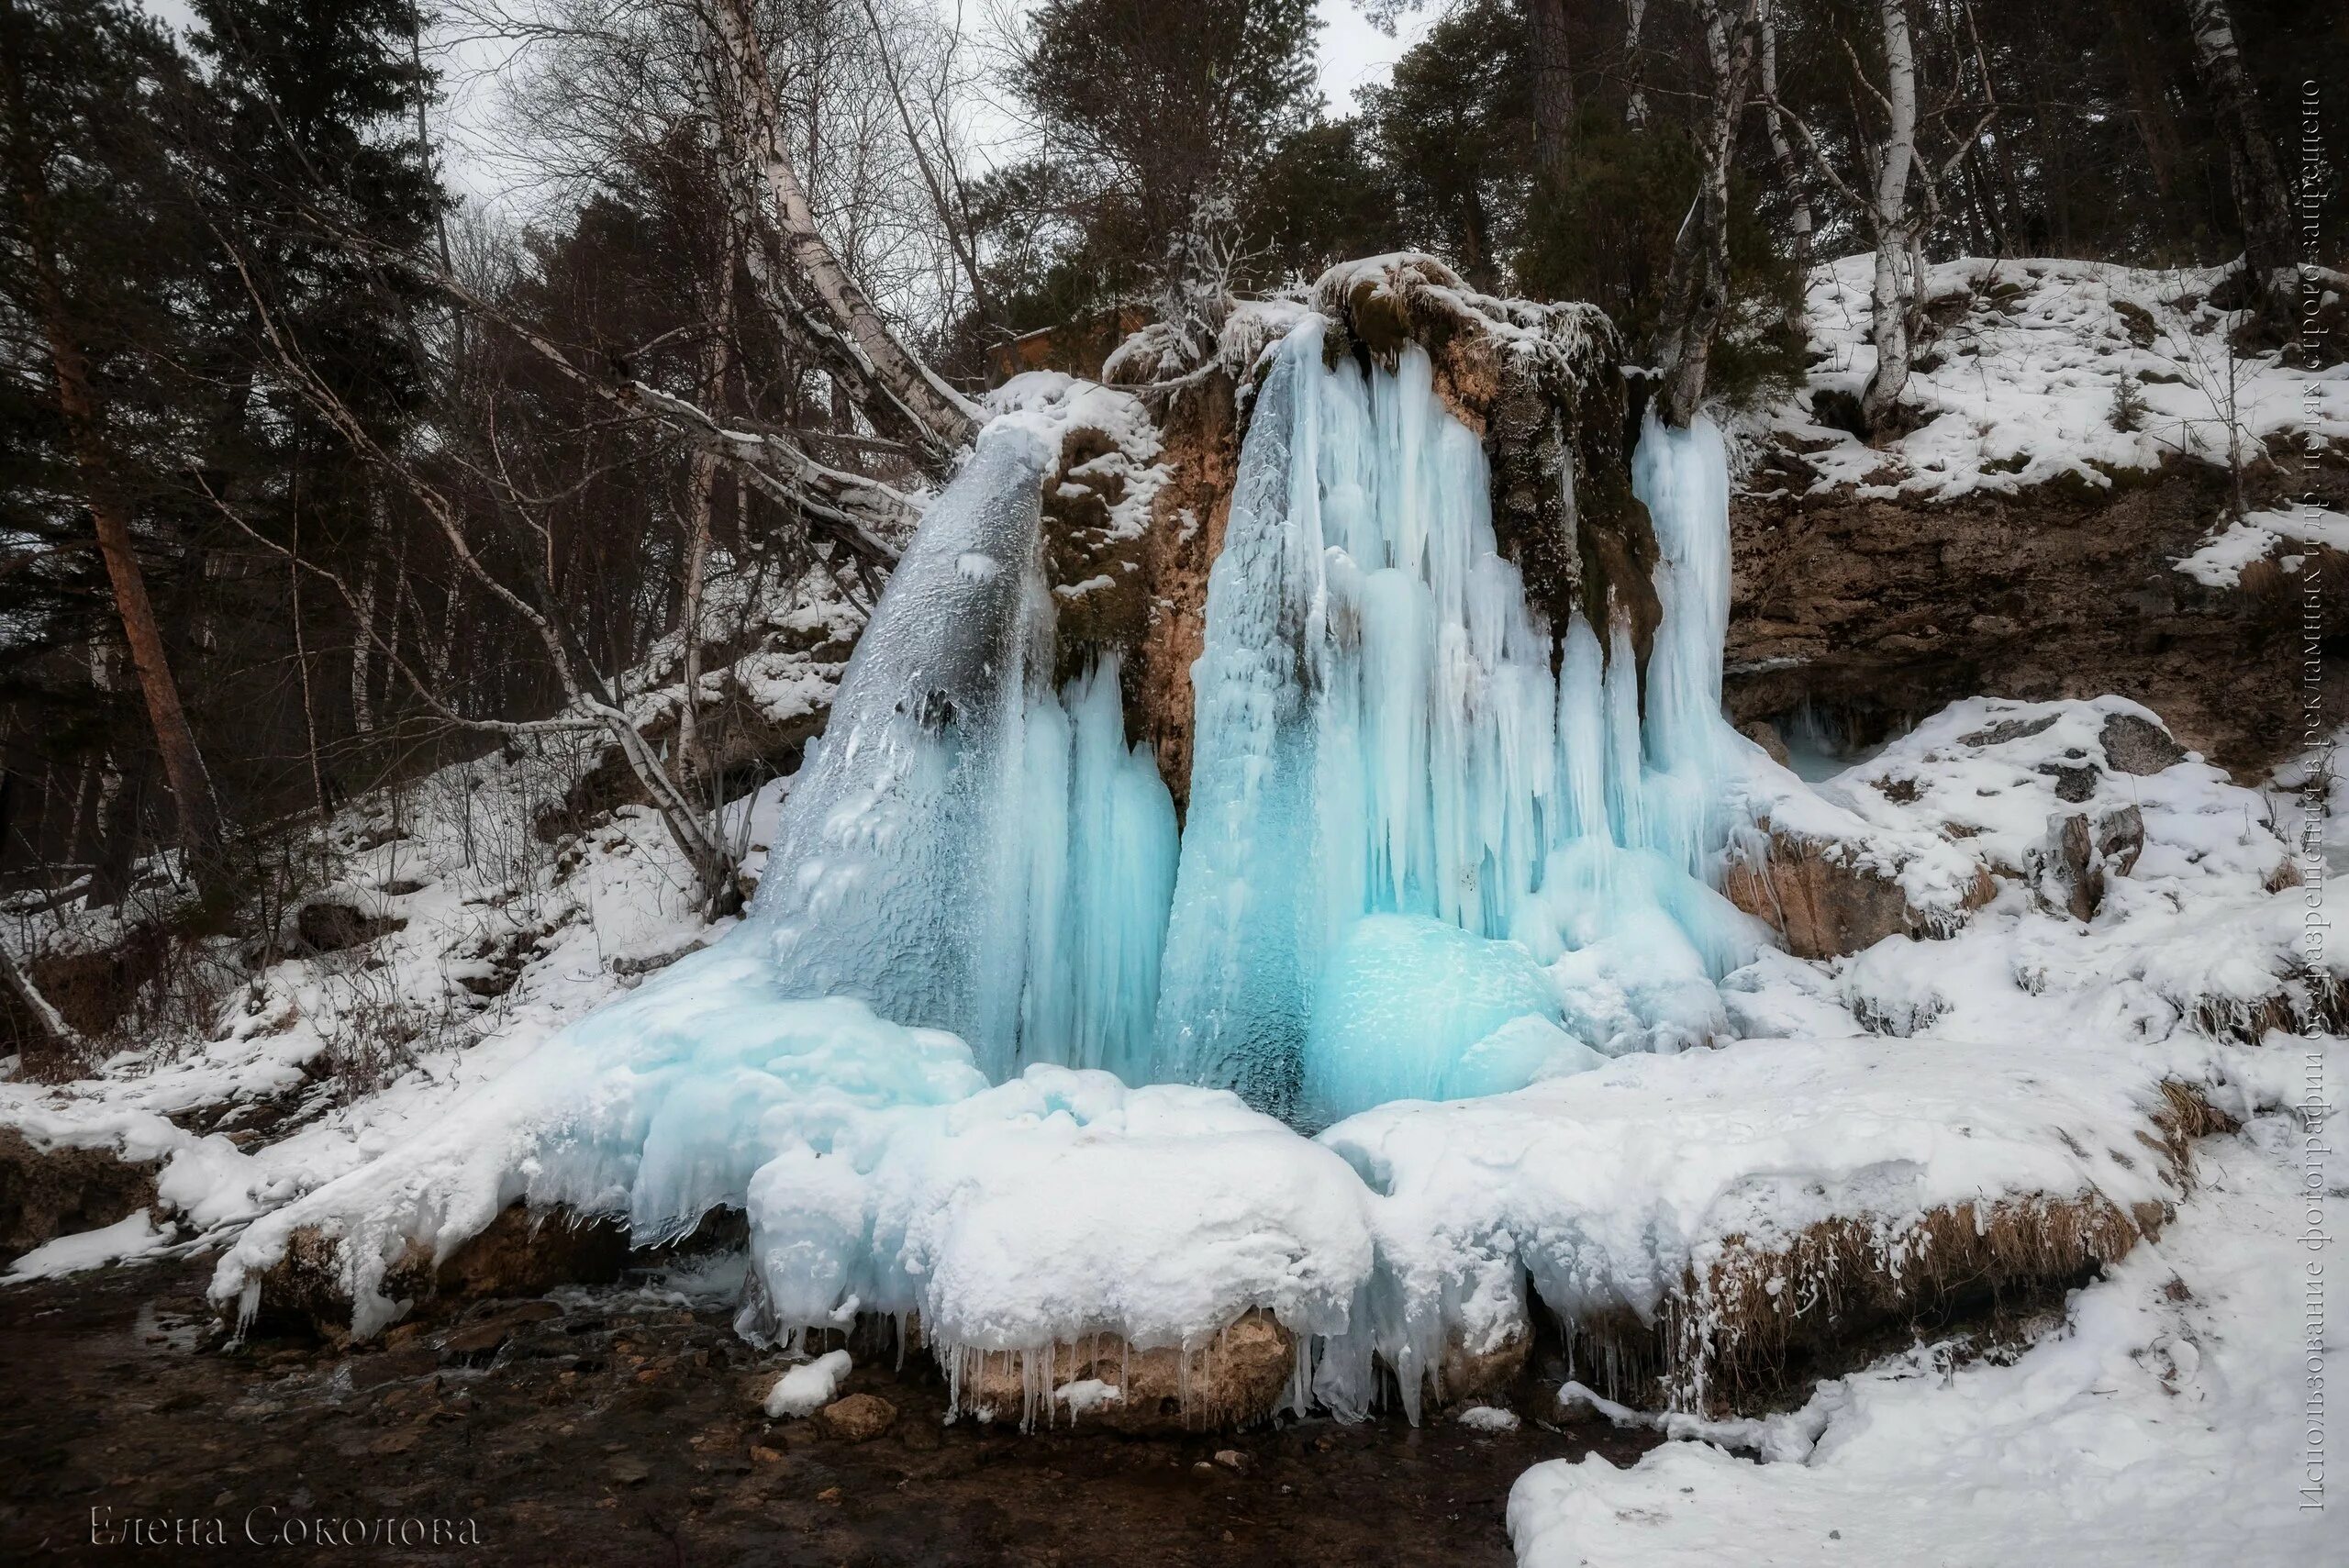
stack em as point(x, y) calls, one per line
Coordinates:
point(316, 478)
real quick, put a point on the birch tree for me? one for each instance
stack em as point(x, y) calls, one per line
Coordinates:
point(2263, 199)
point(1697, 290)
point(1897, 196)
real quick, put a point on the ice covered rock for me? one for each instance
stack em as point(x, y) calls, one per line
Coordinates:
point(1236, 1376)
point(1650, 1204)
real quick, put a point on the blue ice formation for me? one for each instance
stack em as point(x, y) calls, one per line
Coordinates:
point(1436, 847)
point(969, 849)
point(1386, 728)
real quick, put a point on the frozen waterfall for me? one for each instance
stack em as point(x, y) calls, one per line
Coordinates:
point(1417, 814)
point(1434, 848)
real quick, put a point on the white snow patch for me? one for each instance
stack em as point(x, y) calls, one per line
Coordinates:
point(807, 1388)
point(1488, 1418)
point(134, 1236)
point(2164, 1426)
point(1087, 1394)
point(2220, 562)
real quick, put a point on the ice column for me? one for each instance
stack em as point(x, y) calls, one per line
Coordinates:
point(898, 875)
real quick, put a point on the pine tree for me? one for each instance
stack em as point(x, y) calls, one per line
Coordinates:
point(91, 234)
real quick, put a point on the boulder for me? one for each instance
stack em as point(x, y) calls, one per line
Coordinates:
point(858, 1418)
point(522, 1253)
point(1824, 898)
point(48, 1191)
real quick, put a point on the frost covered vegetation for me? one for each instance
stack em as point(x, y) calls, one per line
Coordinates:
point(1135, 812)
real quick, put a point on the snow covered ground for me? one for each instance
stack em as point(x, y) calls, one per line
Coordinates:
point(2021, 379)
point(2162, 1425)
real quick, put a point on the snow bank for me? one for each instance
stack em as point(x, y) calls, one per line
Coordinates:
point(1618, 1192)
point(133, 1236)
point(2162, 1426)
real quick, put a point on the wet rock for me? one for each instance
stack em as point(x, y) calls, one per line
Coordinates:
point(482, 1337)
point(858, 1418)
point(519, 1253)
point(1233, 1378)
point(393, 1366)
point(1468, 1373)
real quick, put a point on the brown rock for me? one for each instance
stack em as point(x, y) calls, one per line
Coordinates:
point(518, 1254)
point(1824, 904)
point(858, 1418)
point(48, 1192)
point(2138, 746)
point(1236, 1378)
point(1465, 1374)
point(1882, 611)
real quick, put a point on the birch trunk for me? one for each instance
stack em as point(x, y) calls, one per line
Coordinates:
point(1635, 105)
point(1696, 291)
point(936, 411)
point(2263, 199)
point(1782, 149)
point(1890, 222)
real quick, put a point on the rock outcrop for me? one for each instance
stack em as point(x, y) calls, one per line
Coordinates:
point(1824, 897)
point(51, 1191)
point(1875, 612)
point(1234, 1378)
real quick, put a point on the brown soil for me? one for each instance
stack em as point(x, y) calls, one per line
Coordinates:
point(615, 1429)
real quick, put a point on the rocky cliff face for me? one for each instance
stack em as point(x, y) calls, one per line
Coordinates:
point(1878, 611)
point(1543, 385)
